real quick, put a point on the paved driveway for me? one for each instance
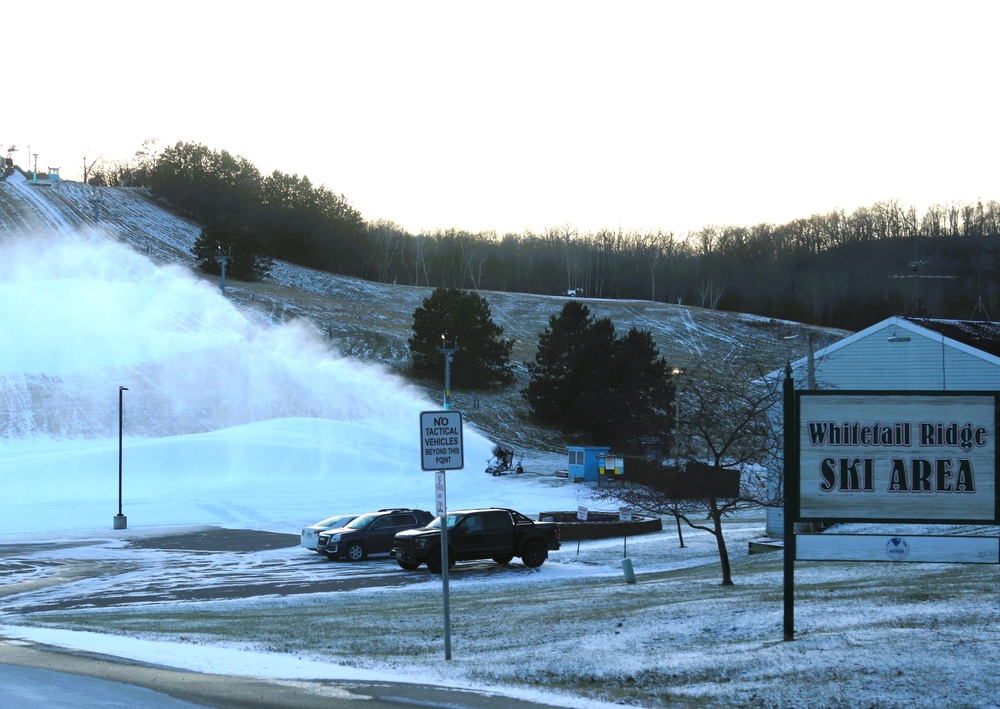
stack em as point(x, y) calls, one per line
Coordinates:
point(202, 564)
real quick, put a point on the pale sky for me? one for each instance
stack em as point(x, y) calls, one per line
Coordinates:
point(521, 115)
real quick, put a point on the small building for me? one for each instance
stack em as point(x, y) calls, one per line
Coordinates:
point(901, 354)
point(585, 462)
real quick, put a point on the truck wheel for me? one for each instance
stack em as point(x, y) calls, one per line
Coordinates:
point(534, 554)
point(356, 552)
point(434, 560)
point(503, 558)
point(408, 565)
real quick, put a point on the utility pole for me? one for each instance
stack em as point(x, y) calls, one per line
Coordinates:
point(677, 372)
point(223, 260)
point(96, 200)
point(120, 521)
point(448, 350)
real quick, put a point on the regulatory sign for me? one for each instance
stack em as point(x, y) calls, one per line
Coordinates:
point(441, 445)
point(440, 494)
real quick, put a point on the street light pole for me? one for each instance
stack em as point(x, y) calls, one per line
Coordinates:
point(448, 350)
point(121, 521)
point(223, 260)
point(677, 372)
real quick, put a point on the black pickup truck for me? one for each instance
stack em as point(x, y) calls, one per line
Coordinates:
point(492, 533)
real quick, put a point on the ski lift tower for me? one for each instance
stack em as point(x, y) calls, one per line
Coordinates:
point(917, 308)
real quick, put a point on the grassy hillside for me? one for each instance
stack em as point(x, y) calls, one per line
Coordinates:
point(372, 321)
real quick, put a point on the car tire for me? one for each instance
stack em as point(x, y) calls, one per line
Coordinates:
point(355, 552)
point(408, 565)
point(534, 554)
point(434, 560)
point(505, 559)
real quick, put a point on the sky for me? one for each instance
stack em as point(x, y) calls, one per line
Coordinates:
point(524, 115)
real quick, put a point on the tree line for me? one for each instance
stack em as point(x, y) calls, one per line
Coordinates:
point(838, 269)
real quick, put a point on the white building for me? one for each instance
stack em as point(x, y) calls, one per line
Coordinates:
point(899, 354)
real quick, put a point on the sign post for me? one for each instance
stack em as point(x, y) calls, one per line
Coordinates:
point(889, 457)
point(625, 515)
point(441, 449)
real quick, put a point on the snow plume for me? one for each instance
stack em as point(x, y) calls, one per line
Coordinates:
point(83, 317)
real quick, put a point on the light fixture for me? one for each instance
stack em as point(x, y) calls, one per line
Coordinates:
point(893, 337)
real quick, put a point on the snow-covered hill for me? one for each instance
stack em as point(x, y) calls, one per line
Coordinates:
point(357, 319)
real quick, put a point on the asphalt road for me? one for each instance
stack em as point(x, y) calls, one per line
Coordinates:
point(34, 675)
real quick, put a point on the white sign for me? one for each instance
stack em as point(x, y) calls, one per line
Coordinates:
point(625, 514)
point(884, 457)
point(441, 446)
point(440, 494)
point(581, 514)
point(862, 547)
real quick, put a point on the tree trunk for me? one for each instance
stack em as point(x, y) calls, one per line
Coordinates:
point(727, 575)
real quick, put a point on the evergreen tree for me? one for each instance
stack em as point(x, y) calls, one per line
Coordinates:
point(645, 390)
point(462, 317)
point(554, 386)
point(239, 243)
point(588, 382)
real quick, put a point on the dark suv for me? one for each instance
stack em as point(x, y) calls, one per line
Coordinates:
point(370, 533)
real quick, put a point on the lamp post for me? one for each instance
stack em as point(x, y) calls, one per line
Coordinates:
point(121, 521)
point(677, 372)
point(448, 350)
point(223, 260)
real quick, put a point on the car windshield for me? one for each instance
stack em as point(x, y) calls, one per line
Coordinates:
point(452, 519)
point(338, 521)
point(363, 521)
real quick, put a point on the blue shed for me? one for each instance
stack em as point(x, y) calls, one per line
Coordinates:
point(584, 462)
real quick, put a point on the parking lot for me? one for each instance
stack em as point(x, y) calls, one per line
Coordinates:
point(204, 564)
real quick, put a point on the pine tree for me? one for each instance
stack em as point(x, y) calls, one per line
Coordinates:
point(240, 244)
point(586, 381)
point(461, 317)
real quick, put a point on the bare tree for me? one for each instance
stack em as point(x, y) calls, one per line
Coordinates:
point(566, 236)
point(710, 294)
point(387, 244)
point(724, 424)
point(424, 249)
point(145, 161)
point(89, 167)
point(474, 256)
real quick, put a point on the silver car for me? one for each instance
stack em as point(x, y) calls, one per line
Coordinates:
point(310, 535)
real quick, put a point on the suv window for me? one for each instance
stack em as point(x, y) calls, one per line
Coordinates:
point(407, 520)
point(382, 522)
point(362, 521)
